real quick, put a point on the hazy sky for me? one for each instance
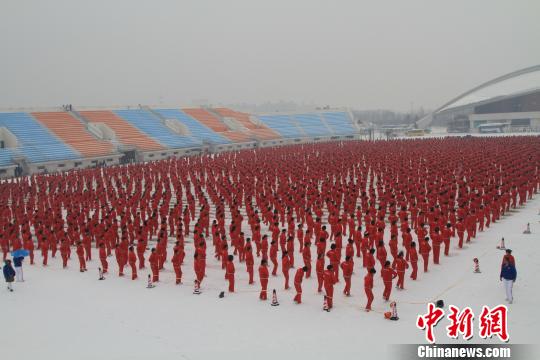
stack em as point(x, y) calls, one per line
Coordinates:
point(362, 54)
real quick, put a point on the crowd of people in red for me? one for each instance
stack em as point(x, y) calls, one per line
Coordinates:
point(315, 207)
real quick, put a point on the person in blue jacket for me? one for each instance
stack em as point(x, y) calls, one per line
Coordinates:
point(9, 274)
point(508, 277)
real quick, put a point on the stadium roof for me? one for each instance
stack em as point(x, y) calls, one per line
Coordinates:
point(518, 85)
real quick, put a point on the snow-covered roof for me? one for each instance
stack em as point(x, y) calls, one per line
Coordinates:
point(517, 85)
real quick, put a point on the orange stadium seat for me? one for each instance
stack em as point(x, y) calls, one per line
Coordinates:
point(125, 132)
point(73, 132)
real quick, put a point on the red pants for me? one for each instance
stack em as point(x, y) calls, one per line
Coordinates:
point(320, 279)
point(88, 252)
point(230, 277)
point(141, 260)
point(264, 284)
point(31, 257)
point(414, 266)
point(401, 279)
point(329, 296)
point(436, 252)
point(64, 260)
point(133, 270)
point(250, 272)
point(460, 237)
point(308, 265)
point(369, 295)
point(178, 273)
point(347, 290)
point(298, 296)
point(45, 255)
point(286, 274)
point(446, 246)
point(82, 263)
point(275, 264)
point(155, 272)
point(426, 261)
point(104, 264)
point(387, 290)
point(120, 268)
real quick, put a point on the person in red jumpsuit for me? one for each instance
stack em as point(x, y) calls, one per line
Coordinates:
point(44, 250)
point(132, 260)
point(263, 277)
point(153, 259)
point(103, 258)
point(319, 269)
point(285, 267)
point(368, 287)
point(298, 277)
point(250, 261)
point(176, 266)
point(370, 259)
point(413, 257)
point(437, 242)
point(29, 246)
point(400, 265)
point(329, 281)
point(64, 252)
point(230, 272)
point(141, 248)
point(119, 260)
point(306, 256)
point(387, 274)
point(424, 251)
point(273, 257)
point(332, 255)
point(347, 268)
point(80, 255)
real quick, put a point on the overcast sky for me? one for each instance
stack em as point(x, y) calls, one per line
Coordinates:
point(361, 54)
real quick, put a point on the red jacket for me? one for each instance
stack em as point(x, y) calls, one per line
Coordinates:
point(347, 268)
point(388, 274)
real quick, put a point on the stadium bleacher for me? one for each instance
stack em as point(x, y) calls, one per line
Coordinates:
point(74, 133)
point(36, 142)
point(5, 157)
point(148, 123)
point(312, 124)
point(198, 130)
point(282, 124)
point(126, 134)
point(57, 136)
point(339, 122)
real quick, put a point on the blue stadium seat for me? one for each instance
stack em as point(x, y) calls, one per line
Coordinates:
point(151, 125)
point(36, 142)
point(198, 130)
point(312, 124)
point(282, 124)
point(5, 157)
point(340, 123)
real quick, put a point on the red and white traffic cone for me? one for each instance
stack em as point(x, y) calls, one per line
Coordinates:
point(274, 299)
point(476, 265)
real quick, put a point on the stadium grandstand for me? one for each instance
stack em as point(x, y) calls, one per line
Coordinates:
point(51, 141)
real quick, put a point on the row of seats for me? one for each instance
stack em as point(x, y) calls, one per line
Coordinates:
point(152, 125)
point(73, 132)
point(126, 134)
point(50, 136)
point(310, 124)
point(36, 142)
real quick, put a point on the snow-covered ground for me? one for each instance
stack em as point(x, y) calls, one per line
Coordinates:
point(63, 314)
